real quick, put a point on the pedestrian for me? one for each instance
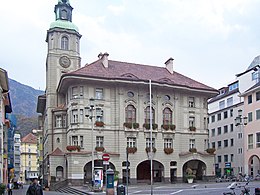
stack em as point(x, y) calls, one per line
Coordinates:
point(35, 188)
point(10, 188)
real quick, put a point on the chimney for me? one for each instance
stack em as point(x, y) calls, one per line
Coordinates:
point(100, 55)
point(169, 65)
point(105, 59)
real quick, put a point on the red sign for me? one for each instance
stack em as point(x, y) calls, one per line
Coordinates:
point(106, 157)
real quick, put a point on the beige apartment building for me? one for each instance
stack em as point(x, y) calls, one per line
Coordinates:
point(121, 114)
point(29, 166)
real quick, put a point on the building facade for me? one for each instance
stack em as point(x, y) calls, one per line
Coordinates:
point(29, 165)
point(120, 90)
point(17, 155)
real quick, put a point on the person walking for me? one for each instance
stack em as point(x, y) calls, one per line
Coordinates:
point(10, 188)
point(35, 188)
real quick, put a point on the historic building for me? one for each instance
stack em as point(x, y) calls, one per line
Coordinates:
point(121, 100)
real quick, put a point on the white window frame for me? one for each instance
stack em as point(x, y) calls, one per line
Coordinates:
point(250, 141)
point(192, 143)
point(99, 141)
point(148, 143)
point(168, 143)
point(131, 142)
point(99, 93)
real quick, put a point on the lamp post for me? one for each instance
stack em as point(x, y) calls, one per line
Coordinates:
point(91, 111)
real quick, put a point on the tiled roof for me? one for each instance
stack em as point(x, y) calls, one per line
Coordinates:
point(136, 72)
point(57, 152)
point(29, 138)
point(220, 96)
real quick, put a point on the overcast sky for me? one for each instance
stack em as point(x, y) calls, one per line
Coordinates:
point(210, 40)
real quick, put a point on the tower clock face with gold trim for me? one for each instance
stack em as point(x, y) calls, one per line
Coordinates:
point(64, 61)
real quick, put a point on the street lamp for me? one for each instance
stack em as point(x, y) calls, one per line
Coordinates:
point(239, 120)
point(91, 112)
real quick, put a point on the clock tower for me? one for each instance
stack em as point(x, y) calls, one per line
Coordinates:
point(63, 56)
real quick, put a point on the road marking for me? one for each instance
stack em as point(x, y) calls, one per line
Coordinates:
point(177, 192)
point(194, 186)
point(137, 192)
point(161, 187)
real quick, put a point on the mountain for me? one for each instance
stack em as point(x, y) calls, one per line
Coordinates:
point(24, 102)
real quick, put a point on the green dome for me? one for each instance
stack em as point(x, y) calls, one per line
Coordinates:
point(64, 24)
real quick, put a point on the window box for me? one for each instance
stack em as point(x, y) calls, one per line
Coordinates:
point(100, 149)
point(99, 124)
point(167, 127)
point(147, 149)
point(73, 148)
point(168, 150)
point(192, 128)
point(131, 125)
point(211, 150)
point(131, 150)
point(193, 150)
point(147, 126)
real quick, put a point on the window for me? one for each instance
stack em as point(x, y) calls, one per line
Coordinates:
point(240, 150)
point(250, 141)
point(230, 101)
point(192, 143)
point(81, 92)
point(250, 117)
point(212, 132)
point(231, 157)
point(231, 112)
point(257, 96)
point(81, 115)
point(213, 118)
point(30, 156)
point(74, 116)
point(205, 103)
point(16, 148)
point(219, 116)
point(64, 43)
point(240, 135)
point(147, 115)
point(167, 98)
point(231, 142)
point(99, 93)
point(74, 92)
point(58, 121)
point(99, 141)
point(257, 114)
point(258, 140)
point(219, 144)
point(219, 130)
point(225, 158)
point(219, 159)
point(231, 127)
point(191, 121)
point(225, 143)
point(148, 142)
point(167, 116)
point(75, 141)
point(81, 141)
point(222, 104)
point(168, 143)
point(225, 114)
point(254, 76)
point(130, 114)
point(191, 102)
point(131, 142)
point(58, 140)
point(225, 129)
point(130, 94)
point(249, 99)
point(213, 144)
point(233, 86)
point(64, 14)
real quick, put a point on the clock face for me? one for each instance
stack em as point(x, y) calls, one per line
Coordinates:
point(65, 61)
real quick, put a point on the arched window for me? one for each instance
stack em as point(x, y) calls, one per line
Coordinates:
point(59, 172)
point(64, 43)
point(130, 114)
point(167, 116)
point(64, 14)
point(147, 115)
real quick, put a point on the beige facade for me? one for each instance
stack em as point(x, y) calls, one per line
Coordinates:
point(121, 91)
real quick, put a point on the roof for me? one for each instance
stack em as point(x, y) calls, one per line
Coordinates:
point(255, 62)
point(251, 89)
point(57, 152)
point(29, 138)
point(226, 94)
point(64, 24)
point(118, 70)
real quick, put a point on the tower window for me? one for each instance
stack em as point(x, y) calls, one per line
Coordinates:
point(64, 14)
point(64, 43)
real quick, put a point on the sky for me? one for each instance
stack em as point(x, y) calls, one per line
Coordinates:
point(210, 40)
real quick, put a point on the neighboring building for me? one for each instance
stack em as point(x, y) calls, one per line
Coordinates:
point(17, 155)
point(120, 89)
point(38, 133)
point(226, 134)
point(5, 107)
point(29, 166)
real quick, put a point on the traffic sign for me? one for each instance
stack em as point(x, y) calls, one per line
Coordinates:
point(106, 157)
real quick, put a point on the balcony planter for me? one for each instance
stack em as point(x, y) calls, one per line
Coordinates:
point(168, 150)
point(147, 149)
point(132, 150)
point(135, 125)
point(193, 150)
point(189, 175)
point(167, 127)
point(131, 125)
point(73, 148)
point(147, 126)
point(100, 149)
point(99, 124)
point(211, 150)
point(192, 128)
